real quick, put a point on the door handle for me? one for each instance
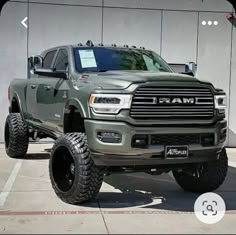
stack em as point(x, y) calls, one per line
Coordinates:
point(47, 88)
point(33, 86)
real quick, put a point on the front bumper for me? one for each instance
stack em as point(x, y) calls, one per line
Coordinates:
point(123, 154)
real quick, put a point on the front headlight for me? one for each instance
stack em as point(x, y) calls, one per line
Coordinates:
point(221, 103)
point(111, 104)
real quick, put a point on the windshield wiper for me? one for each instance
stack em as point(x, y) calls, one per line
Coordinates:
point(95, 71)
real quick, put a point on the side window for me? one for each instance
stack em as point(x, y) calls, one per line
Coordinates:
point(62, 60)
point(48, 59)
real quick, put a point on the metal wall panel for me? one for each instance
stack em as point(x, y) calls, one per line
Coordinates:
point(67, 2)
point(13, 52)
point(133, 27)
point(232, 113)
point(195, 5)
point(54, 25)
point(214, 50)
point(179, 36)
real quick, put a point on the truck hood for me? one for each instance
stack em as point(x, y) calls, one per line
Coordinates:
point(123, 79)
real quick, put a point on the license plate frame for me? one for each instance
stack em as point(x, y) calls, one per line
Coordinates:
point(176, 151)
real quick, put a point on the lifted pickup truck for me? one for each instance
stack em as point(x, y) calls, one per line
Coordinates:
point(113, 110)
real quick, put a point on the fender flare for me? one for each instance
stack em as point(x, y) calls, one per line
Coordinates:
point(17, 98)
point(76, 103)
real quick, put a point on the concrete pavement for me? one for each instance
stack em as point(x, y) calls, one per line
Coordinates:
point(135, 203)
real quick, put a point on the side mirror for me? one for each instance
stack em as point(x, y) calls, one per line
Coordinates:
point(61, 74)
point(51, 73)
point(35, 62)
point(191, 69)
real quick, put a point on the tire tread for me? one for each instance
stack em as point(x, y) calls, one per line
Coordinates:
point(18, 136)
point(90, 176)
point(212, 178)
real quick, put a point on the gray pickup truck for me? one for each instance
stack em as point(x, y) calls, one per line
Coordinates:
point(117, 110)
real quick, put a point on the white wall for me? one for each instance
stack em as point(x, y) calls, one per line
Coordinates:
point(13, 52)
point(53, 25)
point(133, 27)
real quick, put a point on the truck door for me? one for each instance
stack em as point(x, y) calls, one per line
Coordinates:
point(52, 94)
point(34, 109)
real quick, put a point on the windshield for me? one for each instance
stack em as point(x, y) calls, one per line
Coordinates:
point(110, 59)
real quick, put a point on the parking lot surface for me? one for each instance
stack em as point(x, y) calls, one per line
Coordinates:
point(134, 203)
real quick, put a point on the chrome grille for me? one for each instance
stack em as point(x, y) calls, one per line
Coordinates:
point(172, 103)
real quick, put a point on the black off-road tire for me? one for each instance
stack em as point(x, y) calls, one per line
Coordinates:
point(74, 176)
point(16, 136)
point(205, 177)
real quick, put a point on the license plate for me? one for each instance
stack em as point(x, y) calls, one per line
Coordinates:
point(173, 152)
